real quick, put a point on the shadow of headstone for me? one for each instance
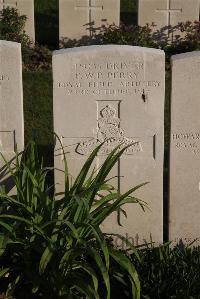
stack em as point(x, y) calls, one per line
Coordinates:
point(167, 35)
point(6, 178)
point(92, 37)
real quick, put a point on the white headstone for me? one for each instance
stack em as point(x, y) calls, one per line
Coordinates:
point(24, 7)
point(115, 94)
point(80, 18)
point(185, 148)
point(167, 13)
point(11, 102)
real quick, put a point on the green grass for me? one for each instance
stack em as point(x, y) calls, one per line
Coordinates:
point(38, 111)
point(165, 272)
point(38, 106)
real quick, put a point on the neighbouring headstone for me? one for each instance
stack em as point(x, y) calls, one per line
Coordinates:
point(80, 19)
point(114, 94)
point(24, 7)
point(185, 148)
point(11, 103)
point(166, 14)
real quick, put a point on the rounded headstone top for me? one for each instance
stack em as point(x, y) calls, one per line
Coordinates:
point(185, 56)
point(108, 47)
point(10, 44)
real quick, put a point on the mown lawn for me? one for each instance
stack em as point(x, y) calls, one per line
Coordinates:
point(38, 111)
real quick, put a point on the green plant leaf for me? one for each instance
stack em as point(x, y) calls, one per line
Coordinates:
point(87, 289)
point(45, 259)
point(96, 256)
point(84, 171)
point(126, 264)
point(90, 271)
point(7, 227)
point(3, 272)
point(131, 248)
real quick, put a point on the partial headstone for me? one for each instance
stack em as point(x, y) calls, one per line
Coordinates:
point(114, 94)
point(167, 14)
point(82, 18)
point(11, 103)
point(24, 7)
point(185, 148)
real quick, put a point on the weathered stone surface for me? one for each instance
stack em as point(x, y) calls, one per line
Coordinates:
point(80, 18)
point(25, 7)
point(185, 148)
point(11, 98)
point(166, 14)
point(114, 94)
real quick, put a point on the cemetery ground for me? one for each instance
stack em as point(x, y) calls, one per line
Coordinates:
point(164, 272)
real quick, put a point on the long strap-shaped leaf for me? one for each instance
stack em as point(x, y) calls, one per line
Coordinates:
point(108, 164)
point(126, 264)
point(96, 256)
point(90, 271)
point(100, 216)
point(77, 186)
point(66, 171)
point(83, 287)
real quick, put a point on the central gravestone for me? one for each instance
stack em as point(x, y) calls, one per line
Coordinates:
point(114, 94)
point(11, 103)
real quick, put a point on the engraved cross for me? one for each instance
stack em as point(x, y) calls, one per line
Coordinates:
point(10, 3)
point(90, 7)
point(110, 133)
point(169, 11)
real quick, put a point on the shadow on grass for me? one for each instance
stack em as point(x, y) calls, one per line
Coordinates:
point(166, 158)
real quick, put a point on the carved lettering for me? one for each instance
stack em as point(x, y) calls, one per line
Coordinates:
point(69, 84)
point(187, 141)
point(87, 66)
point(100, 84)
point(109, 79)
point(123, 65)
point(122, 75)
point(140, 83)
point(176, 136)
point(4, 77)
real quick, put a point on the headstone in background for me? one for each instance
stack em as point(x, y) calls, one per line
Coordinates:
point(24, 7)
point(11, 103)
point(116, 93)
point(185, 148)
point(82, 18)
point(166, 14)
